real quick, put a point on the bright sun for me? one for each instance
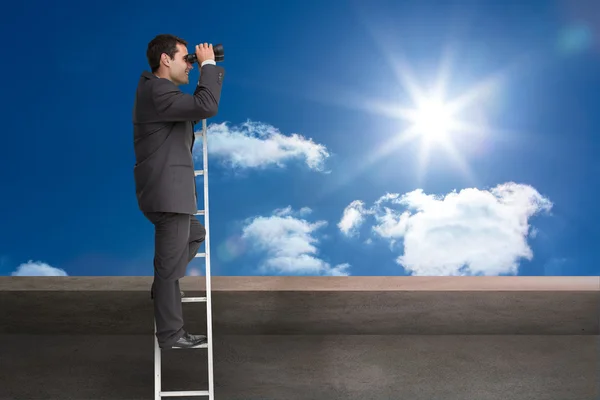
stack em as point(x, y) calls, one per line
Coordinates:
point(436, 122)
point(432, 120)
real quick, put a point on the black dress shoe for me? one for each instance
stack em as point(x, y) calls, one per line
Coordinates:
point(187, 341)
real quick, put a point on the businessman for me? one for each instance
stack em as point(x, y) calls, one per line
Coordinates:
point(163, 137)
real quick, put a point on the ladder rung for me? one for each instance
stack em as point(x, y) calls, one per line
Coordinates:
point(193, 300)
point(185, 393)
point(200, 255)
point(198, 172)
point(200, 212)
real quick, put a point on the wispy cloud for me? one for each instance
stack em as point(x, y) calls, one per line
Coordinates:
point(38, 268)
point(474, 231)
point(282, 212)
point(353, 217)
point(289, 244)
point(260, 145)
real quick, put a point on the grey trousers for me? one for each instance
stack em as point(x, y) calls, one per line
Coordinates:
point(177, 238)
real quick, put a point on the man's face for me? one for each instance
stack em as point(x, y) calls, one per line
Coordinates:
point(179, 67)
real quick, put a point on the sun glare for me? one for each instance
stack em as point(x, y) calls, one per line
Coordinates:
point(439, 122)
point(432, 120)
point(436, 122)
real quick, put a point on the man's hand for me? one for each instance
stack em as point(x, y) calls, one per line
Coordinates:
point(204, 52)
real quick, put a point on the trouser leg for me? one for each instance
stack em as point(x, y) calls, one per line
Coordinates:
point(171, 257)
point(197, 236)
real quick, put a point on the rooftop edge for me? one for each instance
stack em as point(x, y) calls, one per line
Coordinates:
point(308, 283)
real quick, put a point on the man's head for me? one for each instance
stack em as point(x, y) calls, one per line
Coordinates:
point(166, 57)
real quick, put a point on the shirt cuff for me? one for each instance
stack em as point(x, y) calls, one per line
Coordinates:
point(212, 62)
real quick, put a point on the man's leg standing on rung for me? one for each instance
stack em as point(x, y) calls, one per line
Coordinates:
point(176, 236)
point(197, 236)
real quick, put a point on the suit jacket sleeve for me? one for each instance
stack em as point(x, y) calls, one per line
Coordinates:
point(174, 105)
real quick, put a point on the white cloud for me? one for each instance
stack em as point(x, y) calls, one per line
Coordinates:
point(38, 268)
point(353, 217)
point(289, 244)
point(483, 232)
point(259, 145)
point(282, 212)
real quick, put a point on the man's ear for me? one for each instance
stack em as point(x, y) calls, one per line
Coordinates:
point(164, 58)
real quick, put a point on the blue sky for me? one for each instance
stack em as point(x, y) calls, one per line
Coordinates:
point(313, 170)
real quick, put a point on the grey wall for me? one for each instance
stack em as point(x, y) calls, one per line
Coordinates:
point(300, 338)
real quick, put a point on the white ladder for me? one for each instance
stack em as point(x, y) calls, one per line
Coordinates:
point(158, 392)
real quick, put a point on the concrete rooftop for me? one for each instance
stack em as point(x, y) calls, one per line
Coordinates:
point(308, 338)
point(310, 305)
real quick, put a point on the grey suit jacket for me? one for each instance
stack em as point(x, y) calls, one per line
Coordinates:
point(163, 138)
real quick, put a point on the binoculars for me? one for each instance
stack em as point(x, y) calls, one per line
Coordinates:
point(217, 49)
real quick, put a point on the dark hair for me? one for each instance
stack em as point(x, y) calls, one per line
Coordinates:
point(164, 43)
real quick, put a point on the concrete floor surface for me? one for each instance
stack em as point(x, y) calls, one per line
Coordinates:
point(307, 367)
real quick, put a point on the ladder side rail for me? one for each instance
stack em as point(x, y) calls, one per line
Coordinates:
point(209, 335)
point(157, 367)
point(158, 393)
